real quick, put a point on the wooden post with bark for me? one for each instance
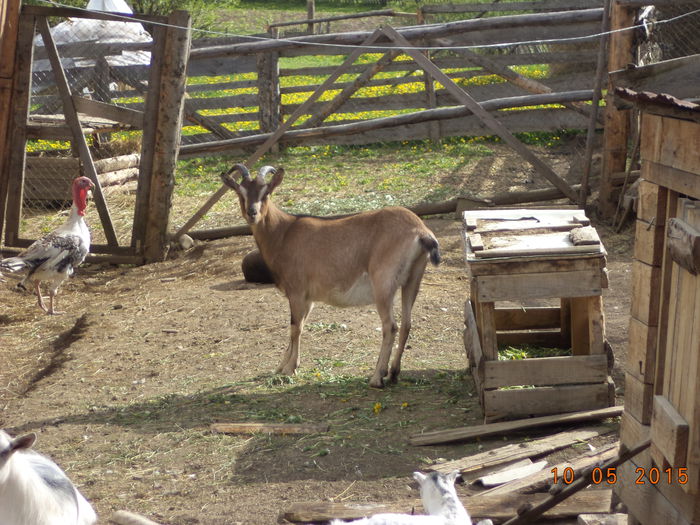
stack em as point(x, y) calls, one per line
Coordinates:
point(9, 26)
point(161, 136)
point(269, 98)
point(617, 122)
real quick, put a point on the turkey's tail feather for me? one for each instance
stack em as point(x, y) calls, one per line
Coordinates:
point(13, 264)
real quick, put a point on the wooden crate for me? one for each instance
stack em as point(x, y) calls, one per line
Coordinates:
point(527, 255)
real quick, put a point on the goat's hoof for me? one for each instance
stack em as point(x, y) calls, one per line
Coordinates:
point(376, 383)
point(393, 376)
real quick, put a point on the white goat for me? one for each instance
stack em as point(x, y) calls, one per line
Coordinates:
point(348, 261)
point(440, 501)
point(34, 490)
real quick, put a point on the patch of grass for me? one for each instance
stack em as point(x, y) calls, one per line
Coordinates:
point(528, 351)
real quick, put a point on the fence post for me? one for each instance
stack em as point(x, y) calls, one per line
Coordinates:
point(161, 135)
point(9, 28)
point(269, 98)
point(617, 122)
point(310, 15)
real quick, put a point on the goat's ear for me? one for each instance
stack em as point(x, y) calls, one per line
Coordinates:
point(452, 476)
point(23, 442)
point(228, 181)
point(276, 180)
point(419, 477)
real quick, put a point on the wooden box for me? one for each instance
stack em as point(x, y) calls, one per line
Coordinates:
point(519, 256)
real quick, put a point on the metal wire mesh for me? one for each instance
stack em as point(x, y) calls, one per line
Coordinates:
point(104, 61)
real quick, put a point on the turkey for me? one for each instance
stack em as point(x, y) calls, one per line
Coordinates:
point(53, 258)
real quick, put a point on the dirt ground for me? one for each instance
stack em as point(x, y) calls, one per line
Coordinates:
point(123, 387)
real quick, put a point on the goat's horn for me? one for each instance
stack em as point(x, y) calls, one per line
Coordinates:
point(242, 168)
point(264, 171)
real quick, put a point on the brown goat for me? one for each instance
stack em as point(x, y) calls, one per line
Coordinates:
point(349, 261)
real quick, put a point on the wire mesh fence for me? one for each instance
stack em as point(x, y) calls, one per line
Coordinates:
point(104, 61)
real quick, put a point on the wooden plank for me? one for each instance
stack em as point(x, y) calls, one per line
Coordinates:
point(669, 432)
point(632, 432)
point(553, 5)
point(472, 344)
point(602, 519)
point(580, 283)
point(498, 508)
point(646, 291)
point(660, 137)
point(649, 242)
point(77, 132)
point(548, 264)
point(538, 401)
point(476, 242)
point(685, 182)
point(545, 478)
point(580, 336)
point(596, 325)
point(494, 125)
point(95, 108)
point(638, 399)
point(13, 165)
point(644, 500)
point(524, 251)
point(527, 317)
point(269, 428)
point(487, 329)
point(651, 203)
point(543, 371)
point(516, 451)
point(675, 77)
point(506, 427)
point(641, 351)
point(683, 242)
point(511, 473)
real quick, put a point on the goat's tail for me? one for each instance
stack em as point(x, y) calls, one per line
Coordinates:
point(432, 247)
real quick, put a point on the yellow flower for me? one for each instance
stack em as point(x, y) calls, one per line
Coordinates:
point(404, 405)
point(377, 407)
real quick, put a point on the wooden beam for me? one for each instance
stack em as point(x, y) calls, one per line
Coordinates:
point(94, 108)
point(168, 125)
point(552, 5)
point(489, 120)
point(498, 508)
point(72, 120)
point(506, 427)
point(9, 38)
point(617, 123)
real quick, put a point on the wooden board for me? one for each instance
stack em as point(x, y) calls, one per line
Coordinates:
point(527, 318)
point(651, 203)
point(649, 242)
point(527, 449)
point(544, 264)
point(507, 427)
point(638, 398)
point(632, 432)
point(544, 338)
point(660, 139)
point(669, 433)
point(472, 344)
point(497, 507)
point(526, 402)
point(680, 181)
point(546, 371)
point(646, 293)
point(641, 351)
point(645, 501)
point(582, 283)
point(269, 428)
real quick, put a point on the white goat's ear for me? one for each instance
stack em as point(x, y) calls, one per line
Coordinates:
point(419, 477)
point(23, 442)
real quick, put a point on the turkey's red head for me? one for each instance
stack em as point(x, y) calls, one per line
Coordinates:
point(81, 186)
